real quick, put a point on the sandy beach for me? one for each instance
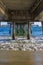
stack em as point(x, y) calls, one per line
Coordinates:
point(34, 44)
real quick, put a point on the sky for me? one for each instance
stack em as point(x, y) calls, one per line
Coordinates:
point(3, 23)
point(37, 23)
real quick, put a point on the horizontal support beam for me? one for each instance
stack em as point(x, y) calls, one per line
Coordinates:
point(35, 11)
point(35, 5)
point(3, 11)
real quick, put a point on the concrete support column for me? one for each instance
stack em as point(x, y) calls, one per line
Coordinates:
point(28, 36)
point(18, 26)
point(13, 36)
point(42, 27)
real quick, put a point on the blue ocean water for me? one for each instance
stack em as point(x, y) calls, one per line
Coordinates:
point(36, 30)
point(5, 31)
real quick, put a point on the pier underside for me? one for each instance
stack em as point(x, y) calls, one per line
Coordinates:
point(18, 45)
point(21, 13)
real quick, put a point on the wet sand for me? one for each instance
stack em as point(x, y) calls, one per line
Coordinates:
point(21, 57)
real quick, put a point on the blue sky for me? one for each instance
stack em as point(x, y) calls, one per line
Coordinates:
point(3, 23)
point(37, 23)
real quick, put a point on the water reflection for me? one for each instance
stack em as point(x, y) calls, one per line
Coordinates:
point(37, 59)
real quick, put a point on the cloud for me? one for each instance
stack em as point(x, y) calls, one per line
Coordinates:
point(37, 23)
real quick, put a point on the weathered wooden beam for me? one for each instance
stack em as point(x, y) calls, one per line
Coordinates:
point(13, 36)
point(42, 27)
point(35, 5)
point(3, 11)
point(28, 36)
point(37, 8)
point(19, 14)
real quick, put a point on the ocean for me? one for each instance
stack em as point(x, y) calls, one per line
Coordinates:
point(36, 30)
point(5, 31)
